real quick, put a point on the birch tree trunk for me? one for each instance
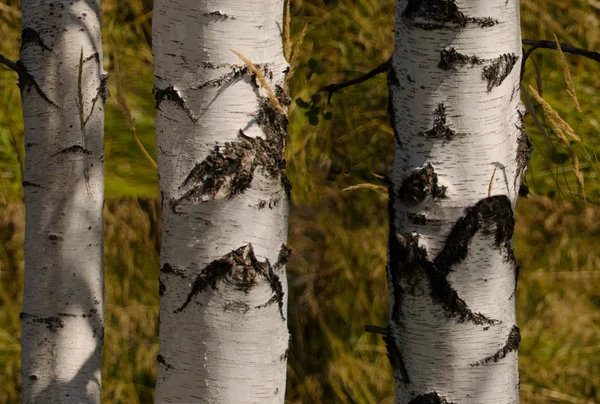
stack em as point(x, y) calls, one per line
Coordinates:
point(220, 142)
point(460, 156)
point(63, 90)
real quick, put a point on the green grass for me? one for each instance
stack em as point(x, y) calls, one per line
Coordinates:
point(337, 271)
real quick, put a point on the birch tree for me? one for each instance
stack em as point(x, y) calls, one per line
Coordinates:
point(461, 153)
point(63, 91)
point(221, 127)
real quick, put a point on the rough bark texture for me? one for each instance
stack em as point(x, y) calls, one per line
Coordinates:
point(220, 141)
point(63, 89)
point(460, 157)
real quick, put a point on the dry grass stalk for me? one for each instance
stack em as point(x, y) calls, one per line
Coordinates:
point(3, 188)
point(261, 78)
point(122, 105)
point(287, 22)
point(296, 51)
point(562, 129)
point(367, 185)
point(567, 73)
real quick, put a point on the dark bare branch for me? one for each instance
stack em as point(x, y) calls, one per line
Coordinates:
point(9, 63)
point(332, 88)
point(544, 44)
point(535, 44)
point(376, 329)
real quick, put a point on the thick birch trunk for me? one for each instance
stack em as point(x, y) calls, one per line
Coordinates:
point(460, 155)
point(220, 139)
point(63, 90)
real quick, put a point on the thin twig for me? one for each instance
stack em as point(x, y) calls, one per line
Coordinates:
point(332, 88)
point(537, 44)
point(376, 329)
point(10, 64)
point(17, 151)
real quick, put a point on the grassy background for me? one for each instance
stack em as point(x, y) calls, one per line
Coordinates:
point(337, 271)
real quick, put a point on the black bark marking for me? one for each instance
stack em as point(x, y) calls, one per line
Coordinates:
point(524, 150)
point(285, 355)
point(441, 12)
point(491, 215)
point(33, 377)
point(284, 255)
point(219, 15)
point(30, 36)
point(170, 94)
point(450, 58)
point(274, 124)
point(512, 344)
point(209, 65)
point(282, 96)
point(226, 78)
point(420, 184)
point(236, 305)
point(498, 70)
point(413, 262)
point(101, 92)
point(75, 149)
point(161, 360)
point(55, 237)
point(161, 288)
point(26, 80)
point(395, 358)
point(440, 129)
point(409, 261)
point(168, 269)
point(416, 218)
point(94, 56)
point(271, 203)
point(31, 184)
point(239, 268)
point(429, 398)
point(229, 169)
point(420, 219)
point(54, 323)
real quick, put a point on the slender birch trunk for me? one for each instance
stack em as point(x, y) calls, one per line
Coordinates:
point(220, 141)
point(460, 155)
point(63, 90)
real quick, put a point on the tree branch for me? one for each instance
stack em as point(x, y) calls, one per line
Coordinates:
point(375, 329)
point(9, 63)
point(332, 88)
point(535, 44)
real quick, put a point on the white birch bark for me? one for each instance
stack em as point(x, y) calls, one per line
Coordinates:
point(63, 90)
point(220, 139)
point(460, 156)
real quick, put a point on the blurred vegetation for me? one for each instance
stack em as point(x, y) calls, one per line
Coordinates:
point(337, 271)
